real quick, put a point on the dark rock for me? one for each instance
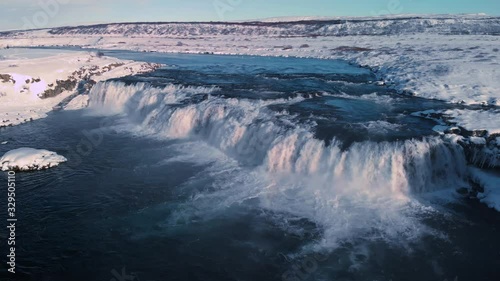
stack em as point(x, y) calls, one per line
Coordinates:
point(453, 130)
point(61, 86)
point(5, 78)
point(352, 49)
point(463, 191)
point(480, 133)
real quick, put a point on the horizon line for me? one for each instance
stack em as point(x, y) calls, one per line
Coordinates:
point(268, 20)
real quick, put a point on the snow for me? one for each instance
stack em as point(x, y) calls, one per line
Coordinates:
point(79, 102)
point(491, 184)
point(432, 114)
point(471, 120)
point(374, 17)
point(30, 159)
point(478, 140)
point(25, 80)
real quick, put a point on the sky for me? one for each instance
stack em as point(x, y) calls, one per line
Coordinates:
point(26, 14)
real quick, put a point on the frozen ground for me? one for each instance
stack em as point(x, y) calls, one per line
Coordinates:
point(32, 83)
point(29, 159)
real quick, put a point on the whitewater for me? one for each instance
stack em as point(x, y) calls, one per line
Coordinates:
point(264, 152)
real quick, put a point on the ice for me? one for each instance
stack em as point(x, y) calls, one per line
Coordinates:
point(30, 159)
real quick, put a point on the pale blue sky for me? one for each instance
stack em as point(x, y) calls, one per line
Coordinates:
point(19, 14)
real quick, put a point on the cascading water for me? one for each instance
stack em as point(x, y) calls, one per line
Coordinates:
point(282, 163)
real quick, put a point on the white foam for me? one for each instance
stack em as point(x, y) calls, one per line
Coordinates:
point(139, 95)
point(491, 184)
point(364, 191)
point(381, 127)
point(374, 97)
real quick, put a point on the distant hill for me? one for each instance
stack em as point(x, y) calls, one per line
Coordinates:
point(294, 27)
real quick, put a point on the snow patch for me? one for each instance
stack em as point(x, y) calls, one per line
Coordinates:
point(79, 102)
point(488, 120)
point(30, 159)
point(477, 140)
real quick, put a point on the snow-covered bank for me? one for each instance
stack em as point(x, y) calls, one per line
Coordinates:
point(29, 159)
point(31, 87)
point(476, 130)
point(476, 120)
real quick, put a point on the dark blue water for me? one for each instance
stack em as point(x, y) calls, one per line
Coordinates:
point(159, 207)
